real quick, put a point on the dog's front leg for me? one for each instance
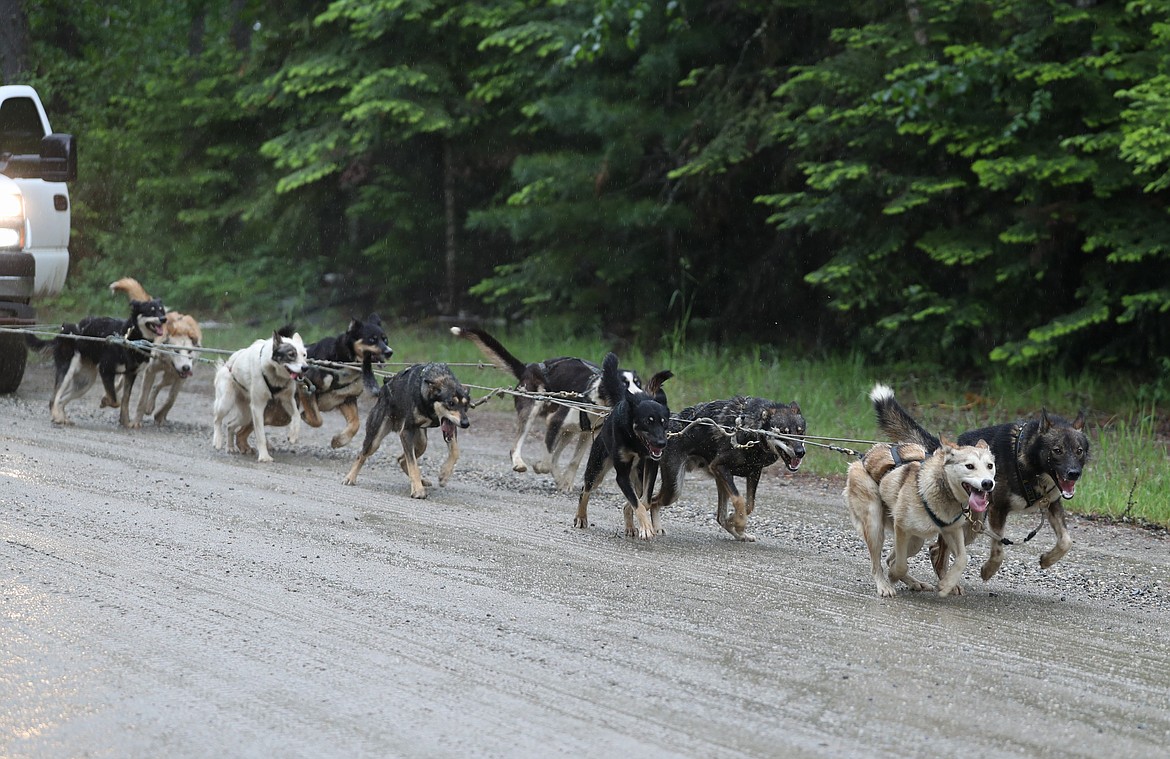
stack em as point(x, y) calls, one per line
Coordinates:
point(124, 411)
point(736, 525)
point(634, 505)
point(349, 410)
point(409, 461)
point(449, 465)
point(996, 521)
point(257, 406)
point(160, 416)
point(1056, 518)
point(149, 393)
point(949, 582)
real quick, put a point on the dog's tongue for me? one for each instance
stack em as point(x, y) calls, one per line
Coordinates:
point(449, 429)
point(977, 501)
point(794, 464)
point(655, 451)
point(1068, 488)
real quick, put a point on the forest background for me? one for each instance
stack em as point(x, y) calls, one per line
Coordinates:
point(961, 187)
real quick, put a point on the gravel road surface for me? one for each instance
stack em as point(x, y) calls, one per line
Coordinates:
point(164, 599)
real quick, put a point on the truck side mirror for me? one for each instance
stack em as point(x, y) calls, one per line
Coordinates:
point(58, 158)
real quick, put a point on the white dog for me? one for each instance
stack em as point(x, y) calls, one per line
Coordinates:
point(265, 371)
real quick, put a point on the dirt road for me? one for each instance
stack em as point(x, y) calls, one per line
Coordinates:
point(162, 599)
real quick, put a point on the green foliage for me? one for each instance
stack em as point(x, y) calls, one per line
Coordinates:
point(962, 184)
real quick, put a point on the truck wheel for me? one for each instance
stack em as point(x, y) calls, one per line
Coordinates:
point(13, 356)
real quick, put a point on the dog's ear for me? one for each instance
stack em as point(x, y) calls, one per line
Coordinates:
point(1045, 422)
point(795, 407)
point(657, 380)
point(944, 444)
point(1079, 422)
point(276, 338)
point(374, 319)
point(982, 444)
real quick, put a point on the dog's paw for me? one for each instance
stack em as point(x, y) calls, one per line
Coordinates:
point(349, 481)
point(955, 591)
point(340, 441)
point(521, 467)
point(885, 589)
point(264, 458)
point(542, 467)
point(581, 522)
point(988, 570)
point(917, 585)
point(420, 493)
point(746, 537)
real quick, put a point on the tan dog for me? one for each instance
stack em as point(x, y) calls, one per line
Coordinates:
point(897, 485)
point(173, 358)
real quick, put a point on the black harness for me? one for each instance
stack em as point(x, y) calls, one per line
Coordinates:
point(1026, 489)
point(938, 522)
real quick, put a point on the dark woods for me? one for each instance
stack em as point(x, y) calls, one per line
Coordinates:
point(957, 182)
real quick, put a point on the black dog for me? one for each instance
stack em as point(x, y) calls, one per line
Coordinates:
point(417, 398)
point(1039, 462)
point(713, 437)
point(339, 387)
point(573, 378)
point(631, 440)
point(78, 362)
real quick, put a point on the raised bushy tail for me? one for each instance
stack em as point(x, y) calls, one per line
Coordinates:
point(896, 423)
point(132, 287)
point(614, 387)
point(493, 350)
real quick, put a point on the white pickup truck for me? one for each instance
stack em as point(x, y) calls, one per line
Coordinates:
point(35, 164)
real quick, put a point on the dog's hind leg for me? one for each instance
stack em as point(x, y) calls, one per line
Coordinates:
point(905, 546)
point(533, 410)
point(124, 413)
point(1056, 518)
point(566, 476)
point(75, 379)
point(377, 427)
point(595, 470)
point(150, 392)
point(349, 410)
point(869, 519)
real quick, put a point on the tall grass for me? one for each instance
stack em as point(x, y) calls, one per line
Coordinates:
point(1128, 476)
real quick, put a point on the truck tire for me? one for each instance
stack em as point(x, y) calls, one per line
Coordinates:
point(13, 357)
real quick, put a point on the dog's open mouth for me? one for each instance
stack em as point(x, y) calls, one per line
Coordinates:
point(976, 499)
point(185, 372)
point(449, 429)
point(793, 463)
point(1068, 488)
point(156, 328)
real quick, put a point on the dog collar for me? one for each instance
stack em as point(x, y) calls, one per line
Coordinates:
point(938, 522)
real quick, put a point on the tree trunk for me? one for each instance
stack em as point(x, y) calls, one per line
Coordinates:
point(241, 33)
point(449, 213)
point(13, 40)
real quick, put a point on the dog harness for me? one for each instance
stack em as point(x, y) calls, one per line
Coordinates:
point(938, 522)
point(1027, 489)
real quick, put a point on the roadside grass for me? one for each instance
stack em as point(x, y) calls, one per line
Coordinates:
point(1129, 473)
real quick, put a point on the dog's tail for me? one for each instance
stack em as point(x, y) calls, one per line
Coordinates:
point(133, 289)
point(896, 423)
point(613, 386)
point(43, 346)
point(493, 350)
point(654, 389)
